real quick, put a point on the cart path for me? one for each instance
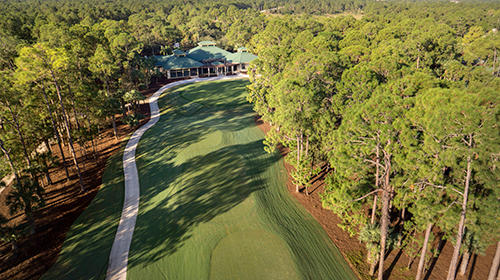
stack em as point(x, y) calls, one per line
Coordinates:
point(118, 258)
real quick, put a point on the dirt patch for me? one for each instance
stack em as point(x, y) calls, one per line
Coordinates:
point(354, 252)
point(64, 203)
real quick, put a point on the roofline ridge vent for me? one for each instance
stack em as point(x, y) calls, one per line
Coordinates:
point(207, 44)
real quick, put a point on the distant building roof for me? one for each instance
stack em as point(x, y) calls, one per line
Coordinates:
point(207, 53)
point(176, 62)
point(178, 52)
point(240, 57)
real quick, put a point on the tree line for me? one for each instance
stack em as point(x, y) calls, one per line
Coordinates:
point(400, 109)
point(67, 69)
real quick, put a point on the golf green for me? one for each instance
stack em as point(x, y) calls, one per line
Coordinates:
point(214, 204)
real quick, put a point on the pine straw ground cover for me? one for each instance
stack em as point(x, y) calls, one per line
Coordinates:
point(213, 204)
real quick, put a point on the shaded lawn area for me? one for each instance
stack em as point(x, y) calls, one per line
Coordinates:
point(85, 251)
point(214, 204)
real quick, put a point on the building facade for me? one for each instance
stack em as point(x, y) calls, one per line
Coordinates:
point(205, 60)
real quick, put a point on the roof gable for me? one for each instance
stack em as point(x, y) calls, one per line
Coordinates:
point(241, 57)
point(208, 53)
point(176, 62)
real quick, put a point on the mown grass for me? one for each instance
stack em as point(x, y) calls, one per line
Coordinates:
point(214, 204)
point(85, 252)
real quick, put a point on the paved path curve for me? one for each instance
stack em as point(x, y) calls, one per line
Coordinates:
point(118, 258)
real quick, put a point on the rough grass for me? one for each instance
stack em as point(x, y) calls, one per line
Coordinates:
point(214, 204)
point(85, 251)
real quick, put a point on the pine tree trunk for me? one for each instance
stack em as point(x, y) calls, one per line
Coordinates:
point(465, 262)
point(368, 256)
point(56, 133)
point(49, 149)
point(373, 266)
point(307, 146)
point(400, 238)
point(115, 131)
point(14, 247)
point(113, 119)
point(301, 144)
point(374, 208)
point(494, 265)
point(9, 160)
point(377, 168)
point(384, 220)
point(92, 141)
point(46, 170)
point(47, 175)
point(124, 111)
point(47, 145)
point(75, 113)
point(461, 226)
point(410, 262)
point(20, 134)
point(421, 262)
point(70, 139)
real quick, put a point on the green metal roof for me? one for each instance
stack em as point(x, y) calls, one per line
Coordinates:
point(207, 53)
point(203, 55)
point(240, 57)
point(176, 62)
point(178, 52)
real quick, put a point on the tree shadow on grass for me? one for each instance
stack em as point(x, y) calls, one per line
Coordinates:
point(179, 129)
point(88, 244)
point(175, 197)
point(208, 186)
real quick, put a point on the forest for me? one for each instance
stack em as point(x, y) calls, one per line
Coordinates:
point(395, 101)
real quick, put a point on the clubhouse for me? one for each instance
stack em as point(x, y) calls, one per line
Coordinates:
point(205, 60)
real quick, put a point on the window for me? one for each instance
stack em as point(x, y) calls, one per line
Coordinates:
point(176, 73)
point(243, 66)
point(186, 72)
point(204, 70)
point(235, 68)
point(212, 70)
point(194, 72)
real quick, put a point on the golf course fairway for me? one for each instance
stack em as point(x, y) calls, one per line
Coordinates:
point(213, 203)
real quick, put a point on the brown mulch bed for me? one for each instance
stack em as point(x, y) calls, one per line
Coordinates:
point(355, 253)
point(64, 203)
